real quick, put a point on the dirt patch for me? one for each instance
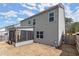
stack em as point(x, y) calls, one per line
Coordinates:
point(68, 50)
point(34, 49)
point(37, 49)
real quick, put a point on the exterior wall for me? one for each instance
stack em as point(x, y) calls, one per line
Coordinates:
point(3, 35)
point(25, 22)
point(49, 28)
point(61, 23)
point(52, 30)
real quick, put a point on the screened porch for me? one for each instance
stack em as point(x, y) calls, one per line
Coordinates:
point(20, 35)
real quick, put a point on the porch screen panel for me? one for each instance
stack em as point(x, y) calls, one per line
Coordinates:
point(30, 35)
point(26, 35)
point(23, 35)
point(12, 35)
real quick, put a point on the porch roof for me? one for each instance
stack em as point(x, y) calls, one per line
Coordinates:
point(27, 28)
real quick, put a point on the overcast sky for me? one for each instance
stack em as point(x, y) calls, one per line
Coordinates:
point(13, 13)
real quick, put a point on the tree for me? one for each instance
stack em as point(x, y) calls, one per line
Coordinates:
point(75, 27)
point(68, 22)
point(71, 27)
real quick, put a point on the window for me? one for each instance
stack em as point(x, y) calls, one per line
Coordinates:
point(39, 34)
point(51, 17)
point(34, 22)
point(29, 22)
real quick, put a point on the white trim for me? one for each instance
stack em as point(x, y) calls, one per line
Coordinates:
point(27, 29)
point(49, 16)
point(23, 43)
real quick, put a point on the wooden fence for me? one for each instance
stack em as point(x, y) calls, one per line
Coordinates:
point(69, 39)
point(77, 42)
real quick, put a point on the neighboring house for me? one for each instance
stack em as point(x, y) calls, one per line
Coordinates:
point(48, 26)
point(3, 34)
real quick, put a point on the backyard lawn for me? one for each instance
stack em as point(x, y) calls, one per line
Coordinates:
point(36, 49)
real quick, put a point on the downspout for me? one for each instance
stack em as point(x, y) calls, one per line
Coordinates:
point(57, 29)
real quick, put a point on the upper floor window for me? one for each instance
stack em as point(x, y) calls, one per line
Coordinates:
point(29, 22)
point(34, 22)
point(51, 17)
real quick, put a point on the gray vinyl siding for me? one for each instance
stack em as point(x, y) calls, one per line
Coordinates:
point(49, 28)
point(25, 23)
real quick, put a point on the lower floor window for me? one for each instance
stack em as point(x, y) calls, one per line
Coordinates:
point(39, 34)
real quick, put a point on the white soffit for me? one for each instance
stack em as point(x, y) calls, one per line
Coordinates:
point(27, 29)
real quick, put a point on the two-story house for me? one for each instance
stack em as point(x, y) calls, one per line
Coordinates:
point(48, 26)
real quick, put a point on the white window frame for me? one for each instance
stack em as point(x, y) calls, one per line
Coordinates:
point(49, 15)
point(39, 34)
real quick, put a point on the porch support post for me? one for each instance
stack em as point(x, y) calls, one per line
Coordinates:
point(16, 36)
